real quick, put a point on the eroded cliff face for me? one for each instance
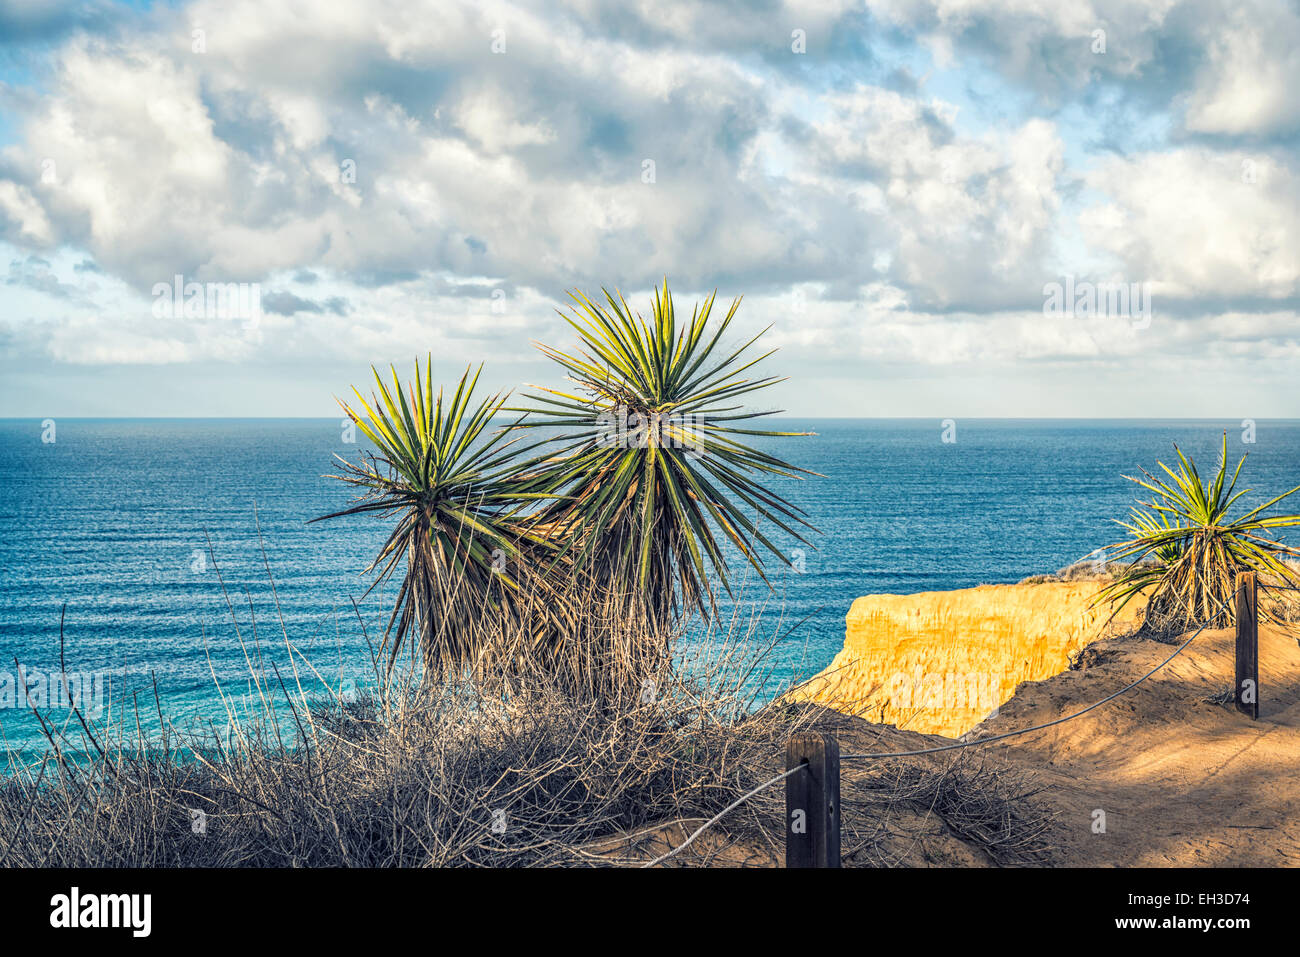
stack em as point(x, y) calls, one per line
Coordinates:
point(941, 662)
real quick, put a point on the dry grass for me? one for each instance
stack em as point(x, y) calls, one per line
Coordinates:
point(492, 766)
point(1079, 572)
point(989, 808)
point(480, 770)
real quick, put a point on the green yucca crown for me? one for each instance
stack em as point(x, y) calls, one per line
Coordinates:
point(1185, 550)
point(651, 473)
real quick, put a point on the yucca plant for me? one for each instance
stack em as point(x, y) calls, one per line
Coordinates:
point(651, 471)
point(1144, 524)
point(1184, 550)
point(462, 531)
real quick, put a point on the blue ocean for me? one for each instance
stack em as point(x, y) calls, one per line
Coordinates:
point(162, 537)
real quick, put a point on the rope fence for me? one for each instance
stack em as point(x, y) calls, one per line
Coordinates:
point(720, 815)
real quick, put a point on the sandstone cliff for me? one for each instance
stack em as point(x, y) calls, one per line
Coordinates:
point(941, 662)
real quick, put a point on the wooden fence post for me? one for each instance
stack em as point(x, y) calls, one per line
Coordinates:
point(1246, 690)
point(812, 801)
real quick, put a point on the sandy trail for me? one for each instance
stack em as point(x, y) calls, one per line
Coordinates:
point(1182, 781)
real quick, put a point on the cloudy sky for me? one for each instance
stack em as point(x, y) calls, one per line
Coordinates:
point(891, 184)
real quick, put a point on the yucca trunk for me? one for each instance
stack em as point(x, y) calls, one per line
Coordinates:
point(1199, 587)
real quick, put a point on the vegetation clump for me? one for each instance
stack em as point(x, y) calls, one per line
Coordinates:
point(643, 475)
point(1185, 548)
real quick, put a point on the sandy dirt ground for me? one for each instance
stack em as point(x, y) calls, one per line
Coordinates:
point(1181, 779)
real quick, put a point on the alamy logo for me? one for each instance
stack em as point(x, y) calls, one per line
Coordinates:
point(625, 429)
point(102, 910)
point(1084, 299)
point(179, 299)
point(32, 688)
point(956, 690)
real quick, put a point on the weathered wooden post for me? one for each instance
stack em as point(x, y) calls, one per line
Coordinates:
point(812, 801)
point(1246, 691)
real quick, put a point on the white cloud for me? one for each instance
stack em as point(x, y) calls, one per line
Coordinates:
point(1228, 69)
point(1200, 224)
point(1253, 71)
point(970, 218)
point(922, 230)
point(23, 209)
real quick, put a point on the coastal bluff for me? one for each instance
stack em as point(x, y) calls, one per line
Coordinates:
point(941, 662)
